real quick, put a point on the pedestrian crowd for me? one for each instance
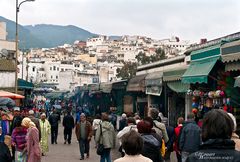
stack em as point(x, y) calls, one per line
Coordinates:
point(151, 139)
point(24, 135)
point(24, 138)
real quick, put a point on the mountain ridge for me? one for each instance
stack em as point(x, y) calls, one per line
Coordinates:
point(46, 35)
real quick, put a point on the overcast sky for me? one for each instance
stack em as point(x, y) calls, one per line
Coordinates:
point(187, 19)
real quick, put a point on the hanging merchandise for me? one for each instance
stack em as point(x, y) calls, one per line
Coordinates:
point(189, 92)
point(196, 93)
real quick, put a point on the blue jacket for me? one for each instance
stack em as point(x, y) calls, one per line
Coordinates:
point(190, 137)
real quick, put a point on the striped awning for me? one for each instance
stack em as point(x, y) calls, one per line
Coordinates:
point(173, 75)
point(137, 84)
point(106, 87)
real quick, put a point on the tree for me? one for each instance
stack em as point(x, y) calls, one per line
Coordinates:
point(127, 71)
point(143, 59)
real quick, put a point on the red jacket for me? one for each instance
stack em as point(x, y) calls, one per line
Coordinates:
point(177, 131)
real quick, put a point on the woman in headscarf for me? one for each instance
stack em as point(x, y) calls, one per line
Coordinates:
point(19, 141)
point(45, 131)
point(33, 145)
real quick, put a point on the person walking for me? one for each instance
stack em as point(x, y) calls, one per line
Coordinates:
point(95, 125)
point(54, 119)
point(106, 135)
point(19, 141)
point(235, 137)
point(5, 154)
point(158, 126)
point(68, 124)
point(33, 145)
point(123, 122)
point(152, 142)
point(45, 131)
point(131, 126)
point(83, 132)
point(177, 131)
point(217, 145)
point(35, 121)
point(132, 143)
point(190, 137)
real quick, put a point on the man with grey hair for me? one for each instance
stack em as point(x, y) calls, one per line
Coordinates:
point(158, 126)
point(235, 137)
point(35, 121)
point(190, 137)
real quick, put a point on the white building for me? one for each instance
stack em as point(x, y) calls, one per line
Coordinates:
point(67, 80)
point(94, 42)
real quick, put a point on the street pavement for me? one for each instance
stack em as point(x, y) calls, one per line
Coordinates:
point(70, 153)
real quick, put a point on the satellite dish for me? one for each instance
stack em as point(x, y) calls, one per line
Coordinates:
point(4, 52)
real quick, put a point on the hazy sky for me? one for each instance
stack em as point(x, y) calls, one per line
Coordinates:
point(188, 19)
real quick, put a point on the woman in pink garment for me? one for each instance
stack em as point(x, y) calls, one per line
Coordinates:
point(33, 145)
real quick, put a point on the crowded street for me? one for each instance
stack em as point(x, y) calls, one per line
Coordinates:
point(70, 153)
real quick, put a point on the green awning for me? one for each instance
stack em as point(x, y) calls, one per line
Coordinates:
point(198, 71)
point(106, 87)
point(204, 53)
point(23, 84)
point(173, 75)
point(237, 82)
point(153, 83)
point(178, 86)
point(54, 95)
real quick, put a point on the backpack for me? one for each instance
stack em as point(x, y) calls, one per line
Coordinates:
point(160, 134)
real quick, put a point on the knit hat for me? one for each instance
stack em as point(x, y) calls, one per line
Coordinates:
point(26, 122)
point(31, 112)
point(124, 115)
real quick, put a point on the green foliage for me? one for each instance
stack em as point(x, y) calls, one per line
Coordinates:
point(143, 59)
point(127, 71)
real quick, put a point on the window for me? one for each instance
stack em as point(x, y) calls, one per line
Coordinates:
point(58, 69)
point(51, 76)
point(33, 69)
point(54, 68)
point(50, 68)
point(56, 77)
point(62, 69)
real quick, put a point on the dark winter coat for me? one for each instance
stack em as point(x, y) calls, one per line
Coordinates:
point(68, 122)
point(53, 120)
point(190, 137)
point(5, 155)
point(151, 147)
point(216, 150)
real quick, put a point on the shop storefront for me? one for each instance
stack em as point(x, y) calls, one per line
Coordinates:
point(205, 75)
point(137, 97)
point(118, 93)
point(176, 94)
point(154, 88)
point(231, 58)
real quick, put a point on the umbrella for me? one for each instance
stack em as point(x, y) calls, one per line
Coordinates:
point(10, 95)
point(6, 102)
point(57, 106)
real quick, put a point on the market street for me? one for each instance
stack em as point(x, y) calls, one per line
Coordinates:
point(70, 153)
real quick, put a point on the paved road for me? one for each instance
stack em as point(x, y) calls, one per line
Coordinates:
point(70, 153)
